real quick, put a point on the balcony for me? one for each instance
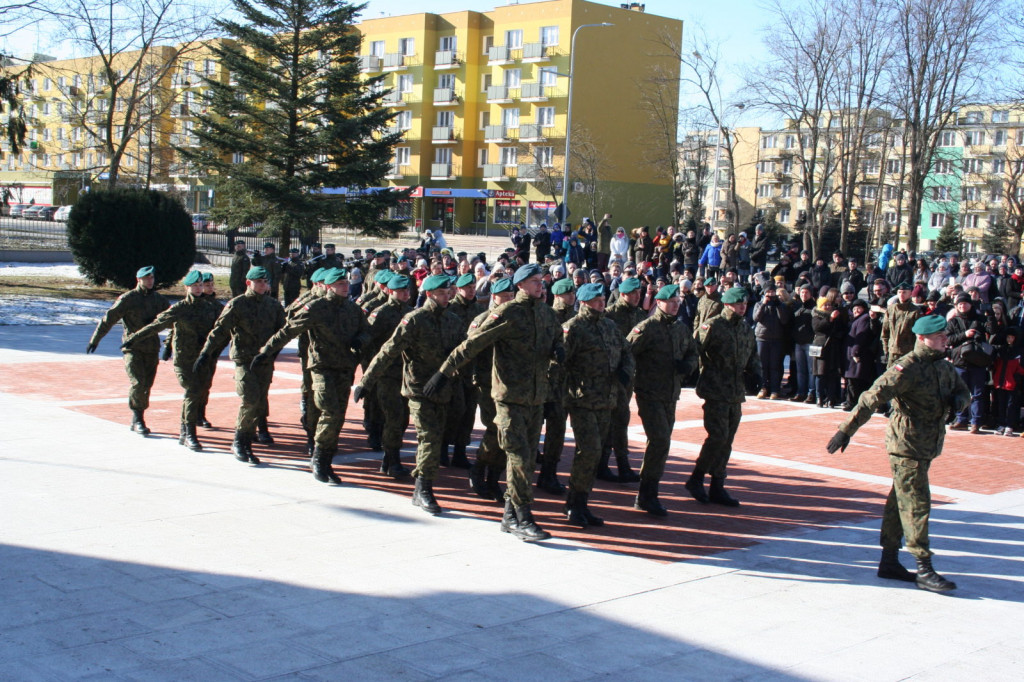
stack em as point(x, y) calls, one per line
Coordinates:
point(980, 149)
point(500, 55)
point(94, 116)
point(396, 99)
point(184, 80)
point(442, 134)
point(71, 91)
point(496, 172)
point(393, 130)
point(184, 140)
point(446, 59)
point(501, 94)
point(536, 52)
point(369, 63)
point(395, 172)
point(531, 132)
point(394, 61)
point(183, 110)
point(445, 96)
point(68, 118)
point(529, 172)
point(442, 171)
point(537, 92)
point(497, 134)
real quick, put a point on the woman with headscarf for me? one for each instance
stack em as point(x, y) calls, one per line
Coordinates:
point(939, 279)
point(439, 241)
point(620, 246)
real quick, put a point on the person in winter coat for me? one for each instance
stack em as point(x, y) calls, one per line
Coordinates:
point(691, 254)
point(772, 319)
point(759, 249)
point(900, 272)
point(803, 336)
point(820, 274)
point(574, 250)
point(829, 323)
point(1006, 396)
point(620, 246)
point(861, 347)
point(962, 328)
point(711, 259)
point(940, 278)
point(730, 253)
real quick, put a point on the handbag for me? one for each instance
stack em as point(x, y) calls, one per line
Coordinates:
point(975, 353)
point(814, 351)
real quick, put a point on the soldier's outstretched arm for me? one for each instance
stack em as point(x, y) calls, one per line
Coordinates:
point(486, 335)
point(882, 391)
point(163, 321)
point(220, 335)
point(400, 339)
point(109, 319)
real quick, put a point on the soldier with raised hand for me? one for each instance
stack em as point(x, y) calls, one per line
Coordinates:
point(665, 355)
point(134, 310)
point(240, 264)
point(597, 364)
point(337, 331)
point(923, 388)
point(626, 313)
point(525, 335)
point(898, 336)
point(422, 340)
point(192, 319)
point(247, 321)
point(292, 271)
point(462, 411)
point(556, 408)
point(728, 356)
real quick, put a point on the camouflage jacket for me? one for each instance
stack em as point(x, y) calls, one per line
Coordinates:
point(923, 387)
point(556, 372)
point(727, 350)
point(423, 339)
point(370, 298)
point(708, 306)
point(595, 351)
point(624, 315)
point(897, 336)
point(240, 265)
point(524, 333)
point(248, 321)
point(192, 320)
point(465, 310)
point(134, 309)
point(483, 364)
point(291, 275)
point(334, 325)
point(383, 322)
point(273, 267)
point(658, 343)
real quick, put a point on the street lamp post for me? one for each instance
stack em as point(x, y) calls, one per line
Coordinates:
point(568, 116)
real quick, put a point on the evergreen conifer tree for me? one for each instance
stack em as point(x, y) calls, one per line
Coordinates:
point(949, 239)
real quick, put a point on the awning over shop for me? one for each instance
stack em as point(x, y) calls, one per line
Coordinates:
point(455, 193)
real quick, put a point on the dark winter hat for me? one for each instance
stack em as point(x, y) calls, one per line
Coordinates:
point(962, 298)
point(904, 286)
point(269, 245)
point(293, 250)
point(929, 324)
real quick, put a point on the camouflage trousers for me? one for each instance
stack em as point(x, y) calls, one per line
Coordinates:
point(141, 368)
point(554, 432)
point(429, 418)
point(908, 507)
point(461, 413)
point(373, 416)
point(206, 379)
point(658, 417)
point(306, 391)
point(394, 412)
point(489, 453)
point(590, 428)
point(617, 438)
point(252, 387)
point(721, 420)
point(519, 435)
point(197, 391)
point(330, 395)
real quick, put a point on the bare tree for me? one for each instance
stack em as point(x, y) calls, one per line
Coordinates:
point(659, 138)
point(589, 164)
point(695, 167)
point(13, 17)
point(1013, 195)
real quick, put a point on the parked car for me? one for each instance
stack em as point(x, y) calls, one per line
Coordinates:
point(16, 209)
point(200, 221)
point(47, 212)
point(62, 214)
point(31, 213)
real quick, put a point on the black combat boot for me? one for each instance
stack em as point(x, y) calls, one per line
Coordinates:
point(239, 447)
point(626, 473)
point(603, 472)
point(718, 495)
point(493, 484)
point(647, 499)
point(477, 482)
point(302, 410)
point(253, 459)
point(890, 567)
point(548, 481)
point(191, 442)
point(262, 432)
point(423, 496)
point(181, 434)
point(138, 423)
point(459, 459)
point(928, 579)
point(509, 522)
point(316, 465)
point(527, 530)
point(310, 445)
point(395, 467)
point(573, 511)
point(203, 421)
point(326, 468)
point(695, 484)
point(385, 461)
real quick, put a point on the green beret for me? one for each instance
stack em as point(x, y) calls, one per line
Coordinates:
point(334, 275)
point(256, 272)
point(628, 285)
point(318, 276)
point(207, 276)
point(398, 282)
point(328, 246)
point(502, 286)
point(563, 286)
point(734, 295)
point(144, 271)
point(194, 277)
point(590, 291)
point(293, 250)
point(930, 324)
point(269, 245)
point(667, 292)
point(239, 241)
point(434, 282)
point(904, 286)
point(710, 282)
point(525, 272)
point(465, 280)
point(382, 276)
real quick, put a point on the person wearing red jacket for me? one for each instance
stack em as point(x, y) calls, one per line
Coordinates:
point(1006, 397)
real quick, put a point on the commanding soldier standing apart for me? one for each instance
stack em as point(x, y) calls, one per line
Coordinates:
point(240, 265)
point(422, 339)
point(192, 319)
point(597, 364)
point(248, 321)
point(135, 309)
point(728, 351)
point(337, 331)
point(923, 388)
point(555, 409)
point(626, 313)
point(666, 355)
point(898, 326)
point(291, 277)
point(525, 335)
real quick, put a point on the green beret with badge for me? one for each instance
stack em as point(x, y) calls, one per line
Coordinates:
point(398, 282)
point(667, 292)
point(711, 282)
point(930, 324)
point(255, 273)
point(334, 275)
point(194, 277)
point(563, 286)
point(145, 271)
point(590, 291)
point(465, 280)
point(734, 295)
point(207, 276)
point(382, 276)
point(526, 272)
point(501, 286)
point(434, 282)
point(629, 285)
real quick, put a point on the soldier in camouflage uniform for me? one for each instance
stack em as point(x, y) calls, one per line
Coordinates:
point(268, 261)
point(309, 415)
point(135, 309)
point(462, 410)
point(709, 305)
point(525, 335)
point(423, 339)
point(555, 409)
point(597, 365)
point(393, 408)
point(373, 418)
point(898, 337)
point(728, 352)
point(490, 462)
point(248, 321)
point(665, 355)
point(209, 297)
point(372, 298)
point(192, 319)
point(291, 277)
point(240, 265)
point(923, 388)
point(626, 313)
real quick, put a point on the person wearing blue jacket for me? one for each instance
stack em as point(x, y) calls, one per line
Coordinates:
point(711, 260)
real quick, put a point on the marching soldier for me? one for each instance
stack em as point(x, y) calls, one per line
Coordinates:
point(309, 414)
point(292, 271)
point(597, 365)
point(240, 265)
point(192, 319)
point(135, 309)
point(206, 374)
point(248, 321)
point(337, 331)
point(373, 419)
point(626, 313)
point(923, 388)
point(462, 410)
point(555, 409)
point(728, 351)
point(665, 355)
point(269, 262)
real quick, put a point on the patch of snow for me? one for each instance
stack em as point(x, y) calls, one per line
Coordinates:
point(37, 310)
point(69, 270)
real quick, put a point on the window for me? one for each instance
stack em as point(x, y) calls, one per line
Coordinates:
point(790, 142)
point(545, 156)
point(485, 119)
point(943, 167)
point(479, 210)
point(46, 134)
point(404, 120)
point(481, 158)
point(1020, 137)
point(998, 166)
point(407, 46)
point(485, 82)
point(1001, 116)
point(784, 215)
point(488, 42)
point(972, 117)
point(60, 133)
point(47, 84)
point(764, 190)
point(996, 194)
point(938, 219)
point(787, 191)
point(971, 221)
point(868, 192)
point(445, 119)
point(801, 191)
point(402, 211)
point(514, 39)
point(509, 156)
point(787, 166)
point(440, 206)
point(973, 137)
point(769, 142)
point(446, 80)
point(874, 140)
point(766, 166)
point(237, 157)
point(61, 81)
point(209, 67)
point(549, 76)
point(447, 43)
point(402, 156)
point(377, 48)
point(513, 78)
point(889, 218)
point(78, 80)
point(999, 138)
point(510, 118)
point(948, 139)
point(546, 116)
point(405, 82)
point(942, 193)
point(869, 166)
point(549, 36)
point(972, 194)
point(443, 155)
point(974, 166)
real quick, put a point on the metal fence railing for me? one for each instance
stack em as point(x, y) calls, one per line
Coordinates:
point(20, 234)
